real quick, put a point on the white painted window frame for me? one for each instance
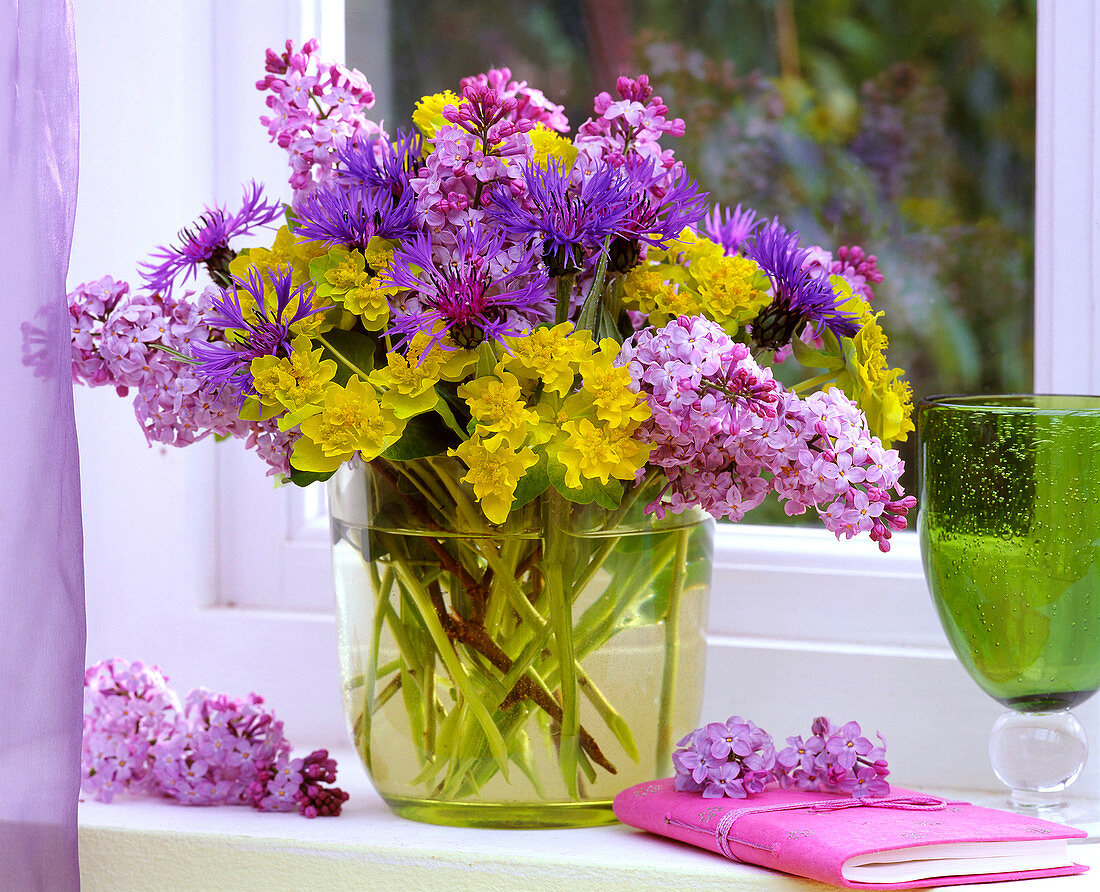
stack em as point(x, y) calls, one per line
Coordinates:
point(800, 624)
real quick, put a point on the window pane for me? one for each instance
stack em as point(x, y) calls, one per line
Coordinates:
point(903, 126)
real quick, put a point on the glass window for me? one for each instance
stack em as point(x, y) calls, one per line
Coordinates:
point(903, 127)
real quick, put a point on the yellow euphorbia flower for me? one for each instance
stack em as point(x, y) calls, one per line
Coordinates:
point(428, 114)
point(495, 469)
point(286, 251)
point(609, 388)
point(353, 279)
point(296, 382)
point(496, 403)
point(548, 355)
point(352, 419)
point(878, 390)
point(599, 453)
point(410, 379)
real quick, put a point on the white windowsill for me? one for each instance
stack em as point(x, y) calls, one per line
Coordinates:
point(149, 845)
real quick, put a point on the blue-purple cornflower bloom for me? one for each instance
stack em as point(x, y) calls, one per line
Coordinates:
point(798, 297)
point(731, 228)
point(206, 242)
point(466, 298)
point(660, 213)
point(359, 163)
point(573, 223)
point(229, 363)
point(351, 216)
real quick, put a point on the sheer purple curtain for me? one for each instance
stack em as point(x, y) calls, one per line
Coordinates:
point(41, 570)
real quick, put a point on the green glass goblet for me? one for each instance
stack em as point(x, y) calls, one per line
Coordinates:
point(1009, 531)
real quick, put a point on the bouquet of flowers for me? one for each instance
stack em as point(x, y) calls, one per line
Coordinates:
point(520, 337)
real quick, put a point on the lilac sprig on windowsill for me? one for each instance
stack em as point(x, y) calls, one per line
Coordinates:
point(736, 759)
point(208, 750)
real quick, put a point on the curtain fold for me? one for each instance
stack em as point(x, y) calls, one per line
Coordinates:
point(41, 570)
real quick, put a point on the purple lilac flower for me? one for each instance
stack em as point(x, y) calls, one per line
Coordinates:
point(530, 104)
point(351, 216)
point(206, 243)
point(726, 433)
point(799, 298)
point(227, 364)
point(731, 228)
point(465, 296)
point(210, 750)
point(572, 223)
point(735, 759)
point(837, 760)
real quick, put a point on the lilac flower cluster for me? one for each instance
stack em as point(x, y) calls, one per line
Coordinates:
point(737, 759)
point(474, 149)
point(117, 338)
point(734, 759)
point(834, 759)
point(317, 109)
point(632, 124)
point(211, 750)
point(530, 104)
point(727, 433)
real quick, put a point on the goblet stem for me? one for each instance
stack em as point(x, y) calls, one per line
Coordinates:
point(1038, 755)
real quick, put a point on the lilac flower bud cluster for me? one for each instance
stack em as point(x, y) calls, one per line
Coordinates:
point(858, 268)
point(212, 750)
point(116, 336)
point(835, 760)
point(530, 104)
point(737, 759)
point(472, 151)
point(727, 433)
point(317, 109)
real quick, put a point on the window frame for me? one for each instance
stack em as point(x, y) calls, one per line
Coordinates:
point(786, 605)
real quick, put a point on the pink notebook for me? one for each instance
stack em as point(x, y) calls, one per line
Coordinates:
point(895, 842)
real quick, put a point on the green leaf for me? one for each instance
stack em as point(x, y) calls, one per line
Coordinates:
point(533, 484)
point(305, 478)
point(352, 351)
point(607, 495)
point(424, 435)
point(590, 311)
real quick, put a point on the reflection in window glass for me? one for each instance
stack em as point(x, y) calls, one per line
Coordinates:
point(902, 126)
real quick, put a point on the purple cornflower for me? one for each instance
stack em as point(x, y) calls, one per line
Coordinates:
point(350, 217)
point(379, 165)
point(662, 206)
point(730, 228)
point(572, 223)
point(227, 364)
point(207, 242)
point(467, 297)
point(799, 298)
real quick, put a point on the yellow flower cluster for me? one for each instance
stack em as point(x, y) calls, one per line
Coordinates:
point(428, 115)
point(694, 277)
point(530, 413)
point(878, 390)
point(353, 280)
point(550, 145)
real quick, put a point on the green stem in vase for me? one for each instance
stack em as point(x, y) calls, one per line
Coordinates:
point(556, 559)
point(672, 652)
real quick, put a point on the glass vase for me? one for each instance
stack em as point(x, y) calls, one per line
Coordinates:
point(516, 674)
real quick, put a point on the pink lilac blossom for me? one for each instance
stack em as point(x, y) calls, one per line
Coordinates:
point(727, 433)
point(117, 338)
point(211, 750)
point(632, 124)
point(737, 759)
point(482, 145)
point(317, 109)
